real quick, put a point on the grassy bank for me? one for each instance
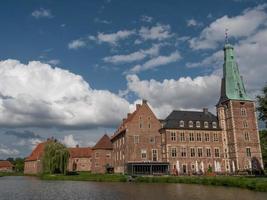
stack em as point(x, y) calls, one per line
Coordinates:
point(85, 176)
point(251, 183)
point(11, 174)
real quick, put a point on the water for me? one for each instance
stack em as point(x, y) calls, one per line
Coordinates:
point(30, 188)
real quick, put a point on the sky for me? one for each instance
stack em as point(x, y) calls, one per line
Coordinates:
point(74, 69)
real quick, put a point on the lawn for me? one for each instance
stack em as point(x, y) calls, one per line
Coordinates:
point(85, 176)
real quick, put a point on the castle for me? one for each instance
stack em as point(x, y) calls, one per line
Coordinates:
point(186, 142)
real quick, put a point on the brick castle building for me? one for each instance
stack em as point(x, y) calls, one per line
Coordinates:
point(6, 166)
point(186, 142)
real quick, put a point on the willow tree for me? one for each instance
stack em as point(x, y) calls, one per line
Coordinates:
point(55, 158)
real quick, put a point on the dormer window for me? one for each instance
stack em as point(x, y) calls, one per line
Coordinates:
point(206, 124)
point(190, 124)
point(181, 123)
point(198, 124)
point(214, 125)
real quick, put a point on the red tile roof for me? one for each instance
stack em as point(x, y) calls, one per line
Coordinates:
point(5, 163)
point(37, 152)
point(80, 152)
point(104, 143)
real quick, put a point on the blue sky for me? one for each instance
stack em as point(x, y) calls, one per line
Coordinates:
point(73, 69)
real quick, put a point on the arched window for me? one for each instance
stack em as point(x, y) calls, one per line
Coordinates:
point(214, 125)
point(206, 124)
point(198, 124)
point(243, 112)
point(245, 124)
point(181, 123)
point(190, 124)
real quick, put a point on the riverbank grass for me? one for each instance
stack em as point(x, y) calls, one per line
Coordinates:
point(251, 183)
point(11, 174)
point(86, 176)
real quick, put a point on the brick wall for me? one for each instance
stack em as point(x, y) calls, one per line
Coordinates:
point(101, 158)
point(81, 164)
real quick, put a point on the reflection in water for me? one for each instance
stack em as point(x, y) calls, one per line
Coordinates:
point(30, 188)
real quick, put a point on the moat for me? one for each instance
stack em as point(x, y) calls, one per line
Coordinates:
point(31, 188)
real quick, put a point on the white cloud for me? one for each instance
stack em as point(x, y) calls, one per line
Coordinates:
point(42, 13)
point(135, 56)
point(76, 44)
point(113, 38)
point(159, 32)
point(184, 93)
point(193, 22)
point(239, 26)
point(156, 62)
point(38, 95)
point(53, 61)
point(146, 18)
point(5, 151)
point(102, 21)
point(69, 141)
point(251, 57)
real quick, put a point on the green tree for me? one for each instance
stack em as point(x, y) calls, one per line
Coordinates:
point(19, 164)
point(262, 105)
point(263, 139)
point(55, 158)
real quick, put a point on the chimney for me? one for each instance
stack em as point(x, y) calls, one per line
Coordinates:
point(138, 106)
point(144, 101)
point(77, 146)
point(205, 111)
point(128, 115)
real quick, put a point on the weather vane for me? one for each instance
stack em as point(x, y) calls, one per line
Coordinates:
point(226, 36)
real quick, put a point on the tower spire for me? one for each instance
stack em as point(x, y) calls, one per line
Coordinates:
point(226, 36)
point(232, 86)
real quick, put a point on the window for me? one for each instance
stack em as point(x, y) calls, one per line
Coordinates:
point(198, 136)
point(245, 124)
point(140, 125)
point(173, 136)
point(246, 136)
point(190, 124)
point(96, 155)
point(183, 152)
point(182, 137)
point(149, 126)
point(207, 137)
point(181, 123)
point(243, 112)
point(206, 124)
point(215, 137)
point(217, 153)
point(192, 151)
point(154, 154)
point(136, 139)
point(152, 139)
point(173, 152)
point(191, 137)
point(143, 154)
point(214, 124)
point(108, 155)
point(199, 152)
point(208, 152)
point(198, 124)
point(248, 152)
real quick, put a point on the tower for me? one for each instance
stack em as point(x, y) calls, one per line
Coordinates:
point(237, 118)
